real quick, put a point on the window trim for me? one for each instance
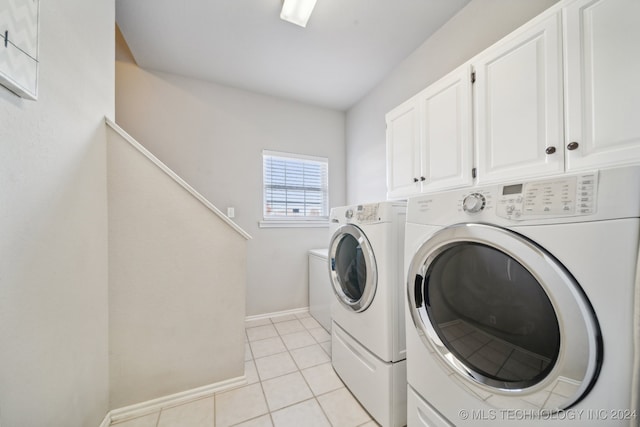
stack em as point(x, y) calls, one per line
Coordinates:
point(294, 221)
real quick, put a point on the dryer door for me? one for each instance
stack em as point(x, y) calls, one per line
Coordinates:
point(506, 316)
point(352, 268)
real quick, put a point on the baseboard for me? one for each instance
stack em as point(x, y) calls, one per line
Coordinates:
point(278, 313)
point(107, 420)
point(154, 405)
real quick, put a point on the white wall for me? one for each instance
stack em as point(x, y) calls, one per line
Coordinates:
point(177, 275)
point(476, 27)
point(53, 225)
point(213, 137)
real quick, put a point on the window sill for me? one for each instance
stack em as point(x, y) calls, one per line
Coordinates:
point(293, 224)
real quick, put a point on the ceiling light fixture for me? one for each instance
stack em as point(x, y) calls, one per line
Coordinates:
point(297, 11)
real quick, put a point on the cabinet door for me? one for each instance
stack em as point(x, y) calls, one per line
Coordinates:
point(446, 132)
point(519, 104)
point(403, 137)
point(603, 82)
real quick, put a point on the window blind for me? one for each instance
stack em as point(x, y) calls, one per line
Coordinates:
point(295, 186)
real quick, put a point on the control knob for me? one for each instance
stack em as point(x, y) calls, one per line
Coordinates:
point(473, 203)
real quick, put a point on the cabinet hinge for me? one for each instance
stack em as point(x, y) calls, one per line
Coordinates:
point(473, 173)
point(473, 77)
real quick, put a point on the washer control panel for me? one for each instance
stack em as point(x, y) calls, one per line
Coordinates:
point(562, 196)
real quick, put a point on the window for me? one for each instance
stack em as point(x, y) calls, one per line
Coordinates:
point(295, 189)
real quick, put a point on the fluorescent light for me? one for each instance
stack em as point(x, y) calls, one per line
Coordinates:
point(297, 11)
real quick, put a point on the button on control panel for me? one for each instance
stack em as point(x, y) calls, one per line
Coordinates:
point(563, 196)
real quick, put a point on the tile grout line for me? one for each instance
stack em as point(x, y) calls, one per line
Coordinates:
point(299, 370)
point(264, 395)
point(314, 396)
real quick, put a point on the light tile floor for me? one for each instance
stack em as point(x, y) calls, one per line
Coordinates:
point(291, 383)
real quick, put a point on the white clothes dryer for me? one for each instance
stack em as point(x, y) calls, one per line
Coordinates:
point(368, 339)
point(521, 303)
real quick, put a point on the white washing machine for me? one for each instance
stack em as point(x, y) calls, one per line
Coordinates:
point(523, 303)
point(368, 340)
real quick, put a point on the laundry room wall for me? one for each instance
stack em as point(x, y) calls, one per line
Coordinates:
point(476, 27)
point(213, 136)
point(177, 274)
point(53, 225)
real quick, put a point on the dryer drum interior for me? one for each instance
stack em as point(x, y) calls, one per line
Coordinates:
point(503, 313)
point(351, 267)
point(482, 301)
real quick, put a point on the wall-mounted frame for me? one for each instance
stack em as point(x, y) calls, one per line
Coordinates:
point(19, 23)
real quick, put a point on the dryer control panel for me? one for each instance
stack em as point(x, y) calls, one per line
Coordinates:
point(594, 195)
point(367, 213)
point(362, 214)
point(562, 196)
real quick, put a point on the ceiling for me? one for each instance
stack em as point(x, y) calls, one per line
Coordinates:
point(346, 49)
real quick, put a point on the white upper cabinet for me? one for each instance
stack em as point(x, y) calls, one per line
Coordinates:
point(429, 138)
point(403, 150)
point(602, 56)
point(518, 104)
point(446, 145)
point(561, 93)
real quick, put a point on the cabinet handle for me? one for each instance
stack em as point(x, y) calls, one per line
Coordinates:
point(422, 178)
point(572, 145)
point(550, 150)
point(415, 179)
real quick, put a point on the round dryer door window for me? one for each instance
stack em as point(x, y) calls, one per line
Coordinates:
point(352, 268)
point(505, 315)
